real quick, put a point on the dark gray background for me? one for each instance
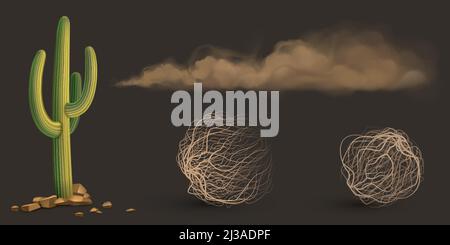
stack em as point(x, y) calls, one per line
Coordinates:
point(124, 149)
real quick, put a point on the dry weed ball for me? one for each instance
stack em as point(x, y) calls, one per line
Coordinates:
point(225, 165)
point(381, 166)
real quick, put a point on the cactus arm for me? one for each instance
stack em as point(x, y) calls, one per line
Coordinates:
point(43, 122)
point(77, 108)
point(75, 94)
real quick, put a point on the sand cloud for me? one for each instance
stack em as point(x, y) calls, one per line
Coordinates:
point(338, 60)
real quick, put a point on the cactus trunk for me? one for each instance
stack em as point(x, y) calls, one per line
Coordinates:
point(62, 164)
point(70, 101)
point(61, 145)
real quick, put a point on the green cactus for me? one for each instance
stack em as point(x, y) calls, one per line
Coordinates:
point(70, 100)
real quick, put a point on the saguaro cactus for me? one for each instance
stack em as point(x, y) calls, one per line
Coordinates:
point(70, 100)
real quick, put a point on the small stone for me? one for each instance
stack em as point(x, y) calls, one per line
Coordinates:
point(30, 207)
point(99, 212)
point(79, 214)
point(37, 199)
point(15, 208)
point(61, 202)
point(48, 202)
point(79, 189)
point(130, 210)
point(86, 195)
point(107, 204)
point(93, 210)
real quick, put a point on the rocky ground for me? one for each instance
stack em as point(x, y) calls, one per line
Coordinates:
point(80, 197)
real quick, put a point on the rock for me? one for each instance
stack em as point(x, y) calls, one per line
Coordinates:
point(30, 207)
point(99, 212)
point(48, 202)
point(87, 201)
point(79, 189)
point(86, 195)
point(61, 202)
point(37, 199)
point(77, 200)
point(14, 208)
point(130, 210)
point(79, 214)
point(107, 204)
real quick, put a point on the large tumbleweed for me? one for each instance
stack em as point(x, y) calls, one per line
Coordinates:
point(381, 166)
point(225, 165)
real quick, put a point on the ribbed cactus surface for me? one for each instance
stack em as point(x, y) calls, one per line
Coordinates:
point(71, 98)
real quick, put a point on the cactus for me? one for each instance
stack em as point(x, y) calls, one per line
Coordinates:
point(70, 100)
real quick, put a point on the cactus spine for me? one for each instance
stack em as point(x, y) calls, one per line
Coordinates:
point(70, 100)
